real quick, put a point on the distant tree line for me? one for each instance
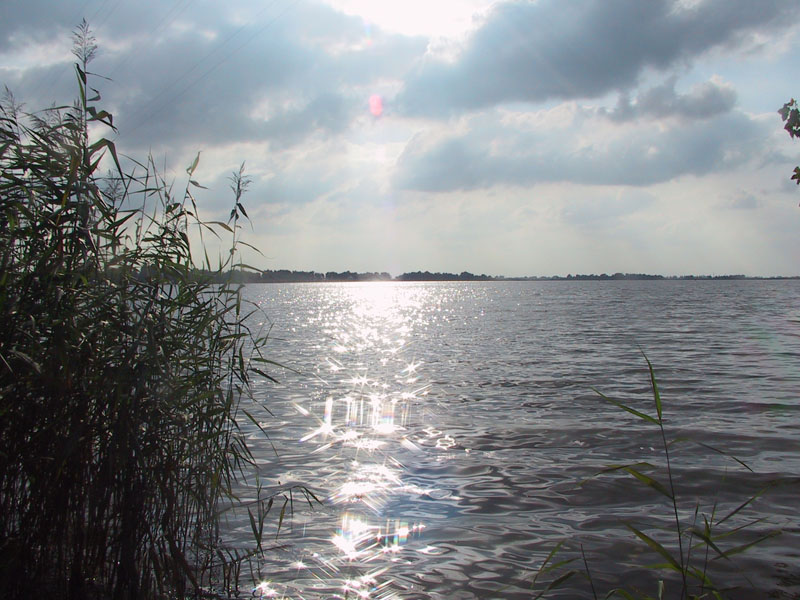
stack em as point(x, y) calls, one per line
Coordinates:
point(288, 276)
point(428, 276)
point(635, 276)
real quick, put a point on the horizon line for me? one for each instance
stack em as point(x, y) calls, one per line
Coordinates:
point(339, 276)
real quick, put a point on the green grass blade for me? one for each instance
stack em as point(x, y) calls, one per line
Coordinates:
point(654, 384)
point(621, 592)
point(254, 528)
point(545, 568)
point(731, 456)
point(647, 480)
point(559, 581)
point(707, 540)
point(633, 411)
point(744, 547)
point(190, 170)
point(264, 374)
point(655, 546)
point(743, 505)
point(612, 468)
point(281, 517)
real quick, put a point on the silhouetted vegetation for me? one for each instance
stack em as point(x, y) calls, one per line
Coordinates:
point(287, 276)
point(122, 366)
point(702, 534)
point(428, 276)
point(790, 113)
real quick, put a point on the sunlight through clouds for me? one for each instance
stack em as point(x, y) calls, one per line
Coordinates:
point(436, 136)
point(445, 18)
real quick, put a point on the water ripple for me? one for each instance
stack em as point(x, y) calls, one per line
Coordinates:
point(454, 433)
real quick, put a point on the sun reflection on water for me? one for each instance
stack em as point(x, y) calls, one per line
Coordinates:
point(354, 532)
point(368, 484)
point(264, 590)
point(359, 539)
point(368, 415)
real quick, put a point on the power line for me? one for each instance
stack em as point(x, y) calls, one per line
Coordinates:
point(81, 11)
point(166, 21)
point(108, 14)
point(149, 108)
point(54, 79)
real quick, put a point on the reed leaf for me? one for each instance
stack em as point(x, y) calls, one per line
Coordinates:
point(685, 558)
point(743, 547)
point(123, 368)
point(655, 546)
point(654, 384)
point(633, 411)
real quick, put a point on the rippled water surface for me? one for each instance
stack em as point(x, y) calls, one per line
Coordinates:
point(453, 434)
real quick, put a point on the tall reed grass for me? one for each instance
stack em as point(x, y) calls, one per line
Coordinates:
point(690, 549)
point(123, 362)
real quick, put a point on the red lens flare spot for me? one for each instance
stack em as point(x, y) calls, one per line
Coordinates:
point(376, 105)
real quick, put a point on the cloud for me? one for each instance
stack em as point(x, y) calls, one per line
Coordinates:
point(742, 200)
point(311, 84)
point(562, 134)
point(603, 209)
point(328, 112)
point(35, 21)
point(203, 77)
point(583, 151)
point(703, 101)
point(533, 52)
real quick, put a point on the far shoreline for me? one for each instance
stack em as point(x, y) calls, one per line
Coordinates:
point(287, 276)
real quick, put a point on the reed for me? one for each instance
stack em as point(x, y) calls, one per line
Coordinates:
point(700, 535)
point(123, 364)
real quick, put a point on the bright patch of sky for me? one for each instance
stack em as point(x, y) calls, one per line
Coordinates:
point(443, 18)
point(510, 137)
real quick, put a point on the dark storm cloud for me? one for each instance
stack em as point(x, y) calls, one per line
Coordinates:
point(553, 49)
point(637, 157)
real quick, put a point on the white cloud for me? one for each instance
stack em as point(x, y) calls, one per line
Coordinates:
point(515, 137)
point(586, 151)
point(550, 50)
point(444, 18)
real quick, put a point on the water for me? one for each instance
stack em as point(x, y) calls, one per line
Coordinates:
point(453, 433)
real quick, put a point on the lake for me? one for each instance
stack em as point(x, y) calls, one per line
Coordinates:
point(455, 436)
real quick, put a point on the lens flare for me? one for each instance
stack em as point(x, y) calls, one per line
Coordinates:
point(376, 105)
point(264, 590)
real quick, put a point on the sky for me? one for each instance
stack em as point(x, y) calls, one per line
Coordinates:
point(509, 138)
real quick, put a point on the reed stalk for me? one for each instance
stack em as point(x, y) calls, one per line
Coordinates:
point(123, 362)
point(696, 547)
